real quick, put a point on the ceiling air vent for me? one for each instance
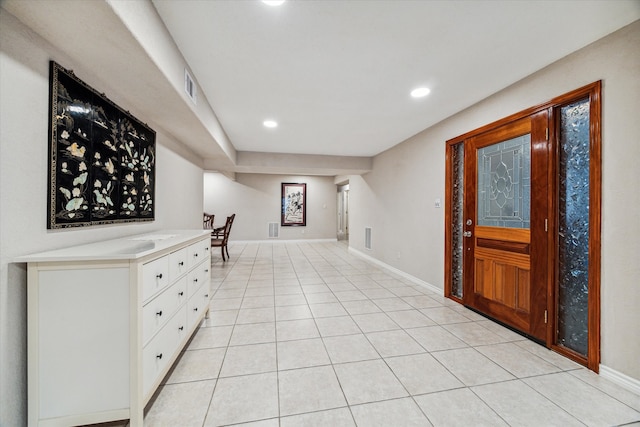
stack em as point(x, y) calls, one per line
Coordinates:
point(189, 86)
point(274, 231)
point(367, 238)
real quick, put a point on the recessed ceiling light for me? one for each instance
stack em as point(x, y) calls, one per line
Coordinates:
point(273, 2)
point(270, 124)
point(420, 92)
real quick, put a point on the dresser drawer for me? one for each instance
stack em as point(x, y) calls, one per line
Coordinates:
point(159, 352)
point(197, 305)
point(178, 264)
point(195, 254)
point(160, 309)
point(155, 277)
point(195, 279)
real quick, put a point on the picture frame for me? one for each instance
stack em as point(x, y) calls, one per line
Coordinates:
point(101, 158)
point(294, 204)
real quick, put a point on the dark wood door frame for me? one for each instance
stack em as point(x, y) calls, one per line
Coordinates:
point(548, 264)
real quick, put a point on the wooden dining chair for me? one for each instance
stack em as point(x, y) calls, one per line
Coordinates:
point(207, 221)
point(222, 238)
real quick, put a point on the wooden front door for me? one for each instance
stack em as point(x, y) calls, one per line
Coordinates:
point(505, 218)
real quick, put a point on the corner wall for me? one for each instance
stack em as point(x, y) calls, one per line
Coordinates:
point(24, 104)
point(255, 199)
point(397, 198)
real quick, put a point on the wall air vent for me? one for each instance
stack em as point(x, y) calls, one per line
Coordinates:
point(189, 86)
point(367, 238)
point(274, 230)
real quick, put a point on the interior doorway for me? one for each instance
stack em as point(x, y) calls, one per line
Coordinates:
point(343, 212)
point(523, 223)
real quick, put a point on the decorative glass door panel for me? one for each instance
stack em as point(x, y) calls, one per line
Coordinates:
point(573, 228)
point(498, 236)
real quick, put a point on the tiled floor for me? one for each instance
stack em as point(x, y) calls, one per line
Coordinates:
point(306, 334)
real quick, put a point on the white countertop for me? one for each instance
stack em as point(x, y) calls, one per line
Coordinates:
point(123, 248)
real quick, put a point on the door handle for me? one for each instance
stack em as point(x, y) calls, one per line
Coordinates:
point(467, 234)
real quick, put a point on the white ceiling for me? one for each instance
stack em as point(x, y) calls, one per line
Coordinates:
point(336, 75)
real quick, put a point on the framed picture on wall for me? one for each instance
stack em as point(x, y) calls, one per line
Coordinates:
point(101, 158)
point(294, 204)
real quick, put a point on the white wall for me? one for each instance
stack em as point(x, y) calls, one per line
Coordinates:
point(396, 198)
point(24, 85)
point(255, 199)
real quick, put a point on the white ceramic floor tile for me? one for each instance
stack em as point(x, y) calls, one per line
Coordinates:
point(421, 301)
point(354, 295)
point(435, 338)
point(396, 412)
point(422, 373)
point(458, 408)
point(586, 403)
point(249, 359)
point(333, 417)
point(222, 318)
point(375, 322)
point(518, 404)
point(296, 329)
point(309, 389)
point(301, 354)
point(392, 304)
point(331, 309)
point(361, 307)
point(255, 315)
point(257, 302)
point(282, 300)
point(410, 319)
point(517, 360)
point(349, 348)
point(471, 367)
point(217, 336)
point(455, 364)
point(624, 395)
point(368, 381)
point(500, 330)
point(444, 315)
point(242, 399)
point(256, 333)
point(473, 334)
point(378, 293)
point(196, 365)
point(183, 404)
point(394, 343)
point(293, 312)
point(548, 355)
point(333, 326)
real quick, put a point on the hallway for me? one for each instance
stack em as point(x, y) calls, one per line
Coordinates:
point(307, 334)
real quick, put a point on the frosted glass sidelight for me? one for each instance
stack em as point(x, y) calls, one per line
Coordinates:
point(573, 227)
point(504, 183)
point(457, 219)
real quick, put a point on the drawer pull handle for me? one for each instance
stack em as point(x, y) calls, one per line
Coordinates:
point(206, 249)
point(159, 276)
point(195, 255)
point(181, 263)
point(159, 313)
point(207, 270)
point(181, 328)
point(206, 295)
point(195, 280)
point(195, 309)
point(180, 294)
point(159, 356)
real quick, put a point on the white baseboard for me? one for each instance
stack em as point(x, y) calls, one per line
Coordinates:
point(621, 379)
point(406, 275)
point(244, 242)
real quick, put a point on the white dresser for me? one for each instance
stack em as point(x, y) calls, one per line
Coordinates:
point(107, 320)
